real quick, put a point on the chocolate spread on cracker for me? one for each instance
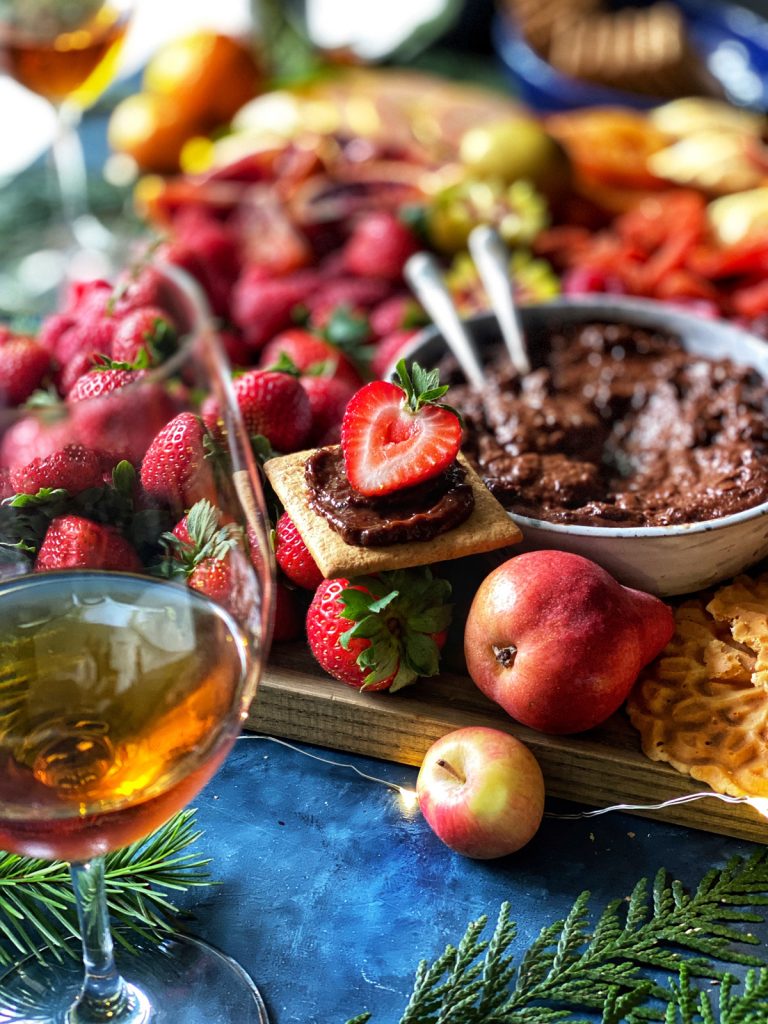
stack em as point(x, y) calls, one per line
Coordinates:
point(412, 514)
point(619, 426)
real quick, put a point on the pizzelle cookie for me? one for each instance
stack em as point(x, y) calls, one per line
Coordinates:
point(488, 527)
point(697, 707)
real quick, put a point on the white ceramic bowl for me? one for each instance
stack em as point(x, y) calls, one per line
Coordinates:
point(663, 560)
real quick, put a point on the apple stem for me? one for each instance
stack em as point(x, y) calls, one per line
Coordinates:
point(450, 769)
point(505, 655)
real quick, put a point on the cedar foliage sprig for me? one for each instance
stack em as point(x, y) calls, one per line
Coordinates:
point(37, 902)
point(570, 970)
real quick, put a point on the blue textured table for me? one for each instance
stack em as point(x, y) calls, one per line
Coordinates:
point(330, 894)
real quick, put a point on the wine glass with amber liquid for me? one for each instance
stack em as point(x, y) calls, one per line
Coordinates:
point(68, 52)
point(134, 621)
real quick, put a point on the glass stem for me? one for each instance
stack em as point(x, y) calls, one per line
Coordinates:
point(104, 995)
point(69, 163)
point(85, 231)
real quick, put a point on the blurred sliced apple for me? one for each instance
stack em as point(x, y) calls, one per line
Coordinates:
point(735, 218)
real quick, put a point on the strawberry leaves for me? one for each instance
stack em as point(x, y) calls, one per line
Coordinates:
point(422, 387)
point(401, 614)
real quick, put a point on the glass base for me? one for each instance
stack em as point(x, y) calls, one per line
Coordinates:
point(184, 982)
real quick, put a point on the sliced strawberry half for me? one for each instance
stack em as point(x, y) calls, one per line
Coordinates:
point(397, 435)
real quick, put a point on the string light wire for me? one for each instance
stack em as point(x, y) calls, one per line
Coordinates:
point(410, 799)
point(408, 795)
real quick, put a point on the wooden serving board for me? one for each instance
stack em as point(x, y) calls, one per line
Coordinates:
point(297, 701)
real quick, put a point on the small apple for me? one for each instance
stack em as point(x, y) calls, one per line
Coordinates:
point(558, 642)
point(481, 792)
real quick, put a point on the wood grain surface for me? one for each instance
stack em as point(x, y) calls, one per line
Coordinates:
point(297, 701)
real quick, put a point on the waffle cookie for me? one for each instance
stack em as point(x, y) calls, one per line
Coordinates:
point(697, 706)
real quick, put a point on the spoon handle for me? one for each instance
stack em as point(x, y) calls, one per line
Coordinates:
point(491, 258)
point(423, 274)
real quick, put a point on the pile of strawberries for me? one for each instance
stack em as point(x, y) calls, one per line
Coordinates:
point(118, 485)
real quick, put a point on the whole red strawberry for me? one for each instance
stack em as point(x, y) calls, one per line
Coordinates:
point(276, 406)
point(73, 542)
point(99, 382)
point(175, 470)
point(73, 468)
point(389, 349)
point(379, 246)
point(288, 618)
point(310, 354)
point(397, 313)
point(380, 633)
point(397, 435)
point(213, 577)
point(23, 366)
point(262, 306)
point(328, 398)
point(147, 334)
point(293, 557)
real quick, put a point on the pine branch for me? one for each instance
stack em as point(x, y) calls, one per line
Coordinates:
point(569, 970)
point(37, 903)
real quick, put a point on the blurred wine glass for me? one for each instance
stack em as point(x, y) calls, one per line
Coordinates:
point(135, 604)
point(68, 52)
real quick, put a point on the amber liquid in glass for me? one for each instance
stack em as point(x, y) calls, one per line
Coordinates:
point(76, 65)
point(119, 697)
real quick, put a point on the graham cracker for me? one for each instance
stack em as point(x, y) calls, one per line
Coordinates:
point(489, 527)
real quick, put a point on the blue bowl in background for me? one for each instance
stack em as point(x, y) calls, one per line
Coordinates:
point(732, 40)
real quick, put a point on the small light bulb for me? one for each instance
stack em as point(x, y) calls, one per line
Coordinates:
point(409, 798)
point(760, 803)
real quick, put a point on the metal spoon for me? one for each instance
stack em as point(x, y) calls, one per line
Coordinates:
point(423, 274)
point(491, 258)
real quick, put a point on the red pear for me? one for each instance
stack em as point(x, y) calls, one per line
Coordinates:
point(558, 642)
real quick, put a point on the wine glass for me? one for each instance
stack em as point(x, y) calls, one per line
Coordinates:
point(135, 610)
point(68, 52)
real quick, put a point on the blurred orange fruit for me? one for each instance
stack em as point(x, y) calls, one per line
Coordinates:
point(208, 75)
point(152, 129)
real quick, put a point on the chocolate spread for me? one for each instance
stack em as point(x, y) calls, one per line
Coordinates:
point(414, 513)
point(620, 426)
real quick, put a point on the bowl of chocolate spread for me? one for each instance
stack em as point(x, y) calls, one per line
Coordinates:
point(639, 439)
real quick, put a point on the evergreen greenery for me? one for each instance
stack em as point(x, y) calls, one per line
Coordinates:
point(573, 973)
point(37, 902)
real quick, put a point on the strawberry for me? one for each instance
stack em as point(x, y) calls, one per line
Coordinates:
point(137, 286)
point(73, 468)
point(287, 623)
point(293, 556)
point(213, 577)
point(146, 335)
point(354, 294)
point(87, 298)
point(379, 246)
point(398, 435)
point(262, 306)
point(380, 633)
point(328, 399)
point(99, 382)
point(32, 438)
point(23, 367)
point(396, 313)
point(388, 350)
point(275, 405)
point(208, 251)
point(52, 329)
point(174, 470)
point(73, 542)
point(310, 354)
